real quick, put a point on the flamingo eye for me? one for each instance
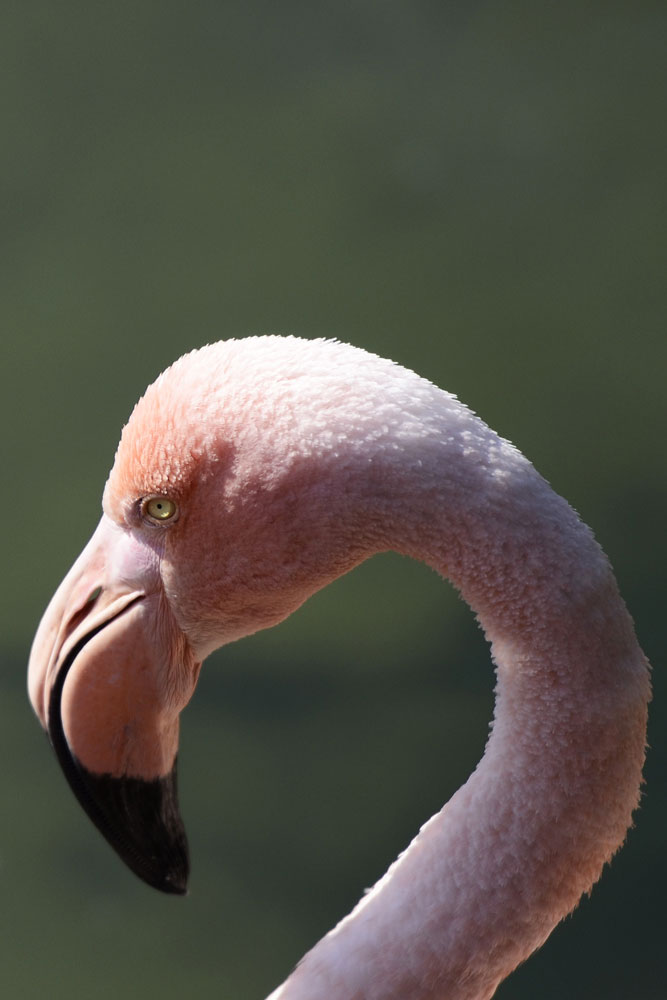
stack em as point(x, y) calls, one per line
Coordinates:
point(159, 509)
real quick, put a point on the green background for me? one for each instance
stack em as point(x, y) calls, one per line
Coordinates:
point(474, 189)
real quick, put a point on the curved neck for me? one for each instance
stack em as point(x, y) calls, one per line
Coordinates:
point(488, 877)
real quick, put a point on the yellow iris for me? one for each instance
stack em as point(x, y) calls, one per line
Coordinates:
point(160, 508)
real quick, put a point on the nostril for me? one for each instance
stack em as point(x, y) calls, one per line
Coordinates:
point(78, 616)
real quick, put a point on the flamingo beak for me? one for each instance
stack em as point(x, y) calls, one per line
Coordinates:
point(109, 674)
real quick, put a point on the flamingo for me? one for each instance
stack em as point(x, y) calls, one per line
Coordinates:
point(251, 474)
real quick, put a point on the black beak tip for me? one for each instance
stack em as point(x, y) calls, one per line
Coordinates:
point(141, 821)
point(173, 884)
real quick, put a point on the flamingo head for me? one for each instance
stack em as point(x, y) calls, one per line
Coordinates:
point(220, 517)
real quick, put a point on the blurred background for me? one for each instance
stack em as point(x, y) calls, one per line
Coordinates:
point(473, 189)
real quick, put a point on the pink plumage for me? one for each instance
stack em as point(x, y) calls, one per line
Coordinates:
point(251, 474)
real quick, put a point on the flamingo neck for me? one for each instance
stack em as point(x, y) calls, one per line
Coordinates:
point(489, 876)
